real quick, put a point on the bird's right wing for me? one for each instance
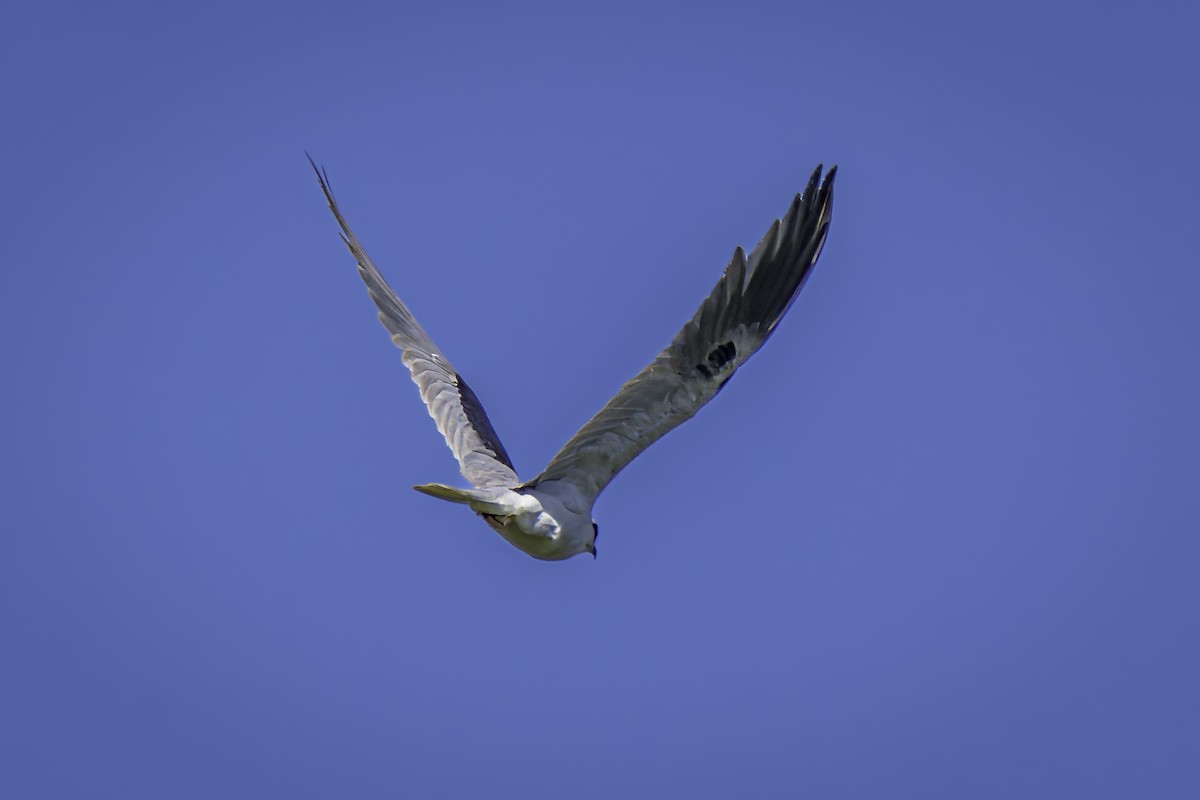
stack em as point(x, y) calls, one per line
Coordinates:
point(730, 326)
point(454, 407)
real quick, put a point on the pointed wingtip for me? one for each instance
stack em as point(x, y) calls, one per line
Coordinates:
point(814, 181)
point(312, 163)
point(322, 177)
point(827, 193)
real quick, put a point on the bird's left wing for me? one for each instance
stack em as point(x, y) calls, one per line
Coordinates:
point(730, 326)
point(454, 407)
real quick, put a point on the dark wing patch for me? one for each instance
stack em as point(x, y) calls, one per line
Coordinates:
point(720, 355)
point(478, 418)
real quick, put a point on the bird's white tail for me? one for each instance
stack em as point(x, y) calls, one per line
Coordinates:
point(454, 494)
point(498, 501)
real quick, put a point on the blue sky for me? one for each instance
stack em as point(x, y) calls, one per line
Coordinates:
point(938, 539)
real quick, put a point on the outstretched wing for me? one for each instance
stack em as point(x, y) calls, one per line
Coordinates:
point(730, 326)
point(454, 407)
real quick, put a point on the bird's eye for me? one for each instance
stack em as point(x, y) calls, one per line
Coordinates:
point(595, 531)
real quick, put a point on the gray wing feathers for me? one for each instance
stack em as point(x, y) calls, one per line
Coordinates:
point(731, 325)
point(454, 407)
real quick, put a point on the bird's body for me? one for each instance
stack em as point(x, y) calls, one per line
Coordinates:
point(550, 516)
point(551, 521)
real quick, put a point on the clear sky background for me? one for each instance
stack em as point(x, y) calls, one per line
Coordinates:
point(939, 538)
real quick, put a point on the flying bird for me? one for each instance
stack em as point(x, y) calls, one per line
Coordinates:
point(550, 516)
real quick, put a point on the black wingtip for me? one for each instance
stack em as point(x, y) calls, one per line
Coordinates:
point(322, 177)
point(826, 198)
point(814, 181)
point(827, 184)
point(313, 164)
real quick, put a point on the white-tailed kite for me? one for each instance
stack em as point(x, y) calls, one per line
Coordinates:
point(550, 517)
